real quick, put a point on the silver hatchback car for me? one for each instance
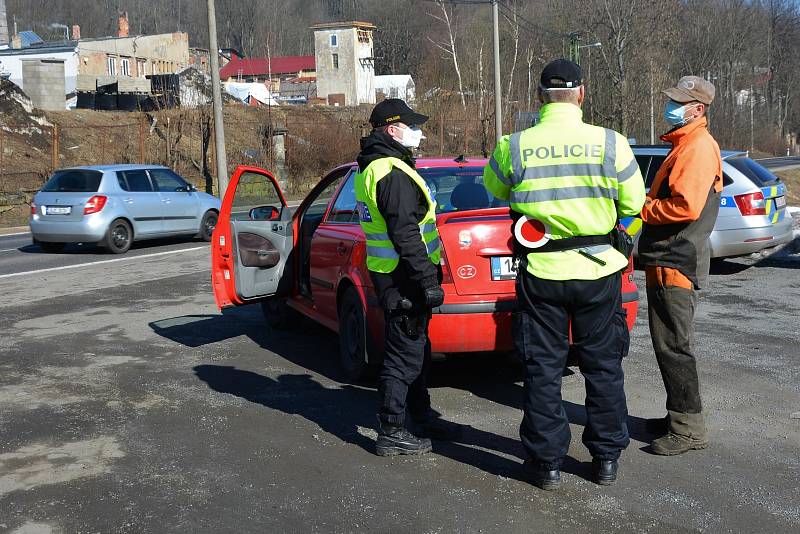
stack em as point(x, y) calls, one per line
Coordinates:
point(115, 205)
point(752, 212)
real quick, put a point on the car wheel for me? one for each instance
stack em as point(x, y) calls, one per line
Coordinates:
point(118, 237)
point(279, 315)
point(208, 224)
point(51, 247)
point(354, 357)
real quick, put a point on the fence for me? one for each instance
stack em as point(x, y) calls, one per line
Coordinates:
point(314, 141)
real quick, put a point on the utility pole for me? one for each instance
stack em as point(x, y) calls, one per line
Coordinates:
point(498, 108)
point(652, 113)
point(574, 48)
point(752, 128)
point(219, 129)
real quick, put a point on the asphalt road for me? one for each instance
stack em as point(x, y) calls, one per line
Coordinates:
point(18, 254)
point(780, 163)
point(128, 403)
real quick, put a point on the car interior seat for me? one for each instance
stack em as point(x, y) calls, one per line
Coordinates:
point(469, 196)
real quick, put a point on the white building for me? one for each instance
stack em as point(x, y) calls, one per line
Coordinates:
point(396, 86)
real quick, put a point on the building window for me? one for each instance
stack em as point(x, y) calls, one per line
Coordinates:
point(141, 68)
point(364, 36)
point(125, 66)
point(334, 41)
point(335, 61)
point(112, 66)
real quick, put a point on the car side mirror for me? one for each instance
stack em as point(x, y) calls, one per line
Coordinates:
point(265, 213)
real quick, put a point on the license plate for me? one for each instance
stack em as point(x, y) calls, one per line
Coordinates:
point(58, 210)
point(504, 268)
point(780, 202)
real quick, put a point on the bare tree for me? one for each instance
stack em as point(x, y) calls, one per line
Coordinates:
point(449, 46)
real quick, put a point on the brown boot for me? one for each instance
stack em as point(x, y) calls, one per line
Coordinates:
point(687, 431)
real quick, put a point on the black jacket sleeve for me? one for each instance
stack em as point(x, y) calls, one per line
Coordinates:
point(400, 203)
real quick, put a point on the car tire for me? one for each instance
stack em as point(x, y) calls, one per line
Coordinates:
point(207, 225)
point(119, 237)
point(50, 247)
point(279, 315)
point(354, 342)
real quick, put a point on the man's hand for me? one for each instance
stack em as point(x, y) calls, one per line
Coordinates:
point(434, 296)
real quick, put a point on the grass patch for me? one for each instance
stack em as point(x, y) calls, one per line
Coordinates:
point(791, 177)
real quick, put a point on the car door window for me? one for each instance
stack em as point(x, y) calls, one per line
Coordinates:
point(319, 205)
point(644, 163)
point(135, 181)
point(344, 208)
point(655, 164)
point(167, 181)
point(254, 191)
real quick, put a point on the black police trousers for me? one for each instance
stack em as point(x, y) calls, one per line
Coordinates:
point(547, 309)
point(404, 374)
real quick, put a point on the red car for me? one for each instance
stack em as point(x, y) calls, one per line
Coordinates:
point(311, 260)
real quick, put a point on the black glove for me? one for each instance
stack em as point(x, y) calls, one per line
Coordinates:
point(434, 296)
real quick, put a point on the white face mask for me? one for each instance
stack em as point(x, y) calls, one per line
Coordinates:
point(411, 137)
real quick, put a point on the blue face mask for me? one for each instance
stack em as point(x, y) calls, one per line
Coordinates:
point(673, 113)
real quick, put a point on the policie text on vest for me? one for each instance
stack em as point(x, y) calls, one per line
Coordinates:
point(556, 152)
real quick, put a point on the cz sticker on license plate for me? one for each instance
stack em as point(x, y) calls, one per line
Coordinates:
point(780, 202)
point(58, 210)
point(504, 268)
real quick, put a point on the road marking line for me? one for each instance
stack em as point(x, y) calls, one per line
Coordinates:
point(9, 235)
point(8, 249)
point(100, 262)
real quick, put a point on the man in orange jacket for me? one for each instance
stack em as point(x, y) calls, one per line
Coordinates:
point(679, 215)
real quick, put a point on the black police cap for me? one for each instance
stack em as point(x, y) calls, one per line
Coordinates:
point(394, 110)
point(561, 74)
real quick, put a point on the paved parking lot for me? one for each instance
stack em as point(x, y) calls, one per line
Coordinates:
point(128, 403)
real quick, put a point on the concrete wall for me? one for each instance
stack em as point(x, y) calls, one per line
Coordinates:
point(14, 64)
point(4, 36)
point(365, 72)
point(147, 54)
point(44, 83)
point(354, 79)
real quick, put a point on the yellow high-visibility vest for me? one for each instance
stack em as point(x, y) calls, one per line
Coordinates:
point(381, 254)
point(577, 179)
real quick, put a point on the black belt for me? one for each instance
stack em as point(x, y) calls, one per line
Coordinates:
point(568, 243)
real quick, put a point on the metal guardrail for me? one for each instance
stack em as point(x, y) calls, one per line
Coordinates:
point(780, 163)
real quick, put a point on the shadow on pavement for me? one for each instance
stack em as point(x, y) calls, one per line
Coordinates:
point(341, 411)
point(501, 384)
point(788, 257)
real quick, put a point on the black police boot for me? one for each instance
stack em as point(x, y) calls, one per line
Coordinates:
point(605, 471)
point(431, 425)
point(541, 477)
point(395, 440)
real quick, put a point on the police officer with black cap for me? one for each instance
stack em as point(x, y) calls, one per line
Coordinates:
point(397, 212)
point(568, 183)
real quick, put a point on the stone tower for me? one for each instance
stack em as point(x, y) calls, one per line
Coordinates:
point(4, 37)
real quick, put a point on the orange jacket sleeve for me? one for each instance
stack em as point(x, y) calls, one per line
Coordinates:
point(694, 173)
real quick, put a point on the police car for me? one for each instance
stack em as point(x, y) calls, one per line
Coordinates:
point(312, 261)
point(752, 212)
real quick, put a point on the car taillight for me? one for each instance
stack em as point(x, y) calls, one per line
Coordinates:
point(94, 204)
point(751, 203)
point(33, 208)
point(447, 276)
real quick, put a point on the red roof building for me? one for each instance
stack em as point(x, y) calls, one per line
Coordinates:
point(262, 69)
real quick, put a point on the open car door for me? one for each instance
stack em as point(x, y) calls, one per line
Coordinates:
point(253, 240)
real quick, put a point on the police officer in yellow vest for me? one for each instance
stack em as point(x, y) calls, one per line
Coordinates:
point(398, 216)
point(568, 182)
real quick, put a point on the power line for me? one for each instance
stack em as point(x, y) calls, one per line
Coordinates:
point(529, 24)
